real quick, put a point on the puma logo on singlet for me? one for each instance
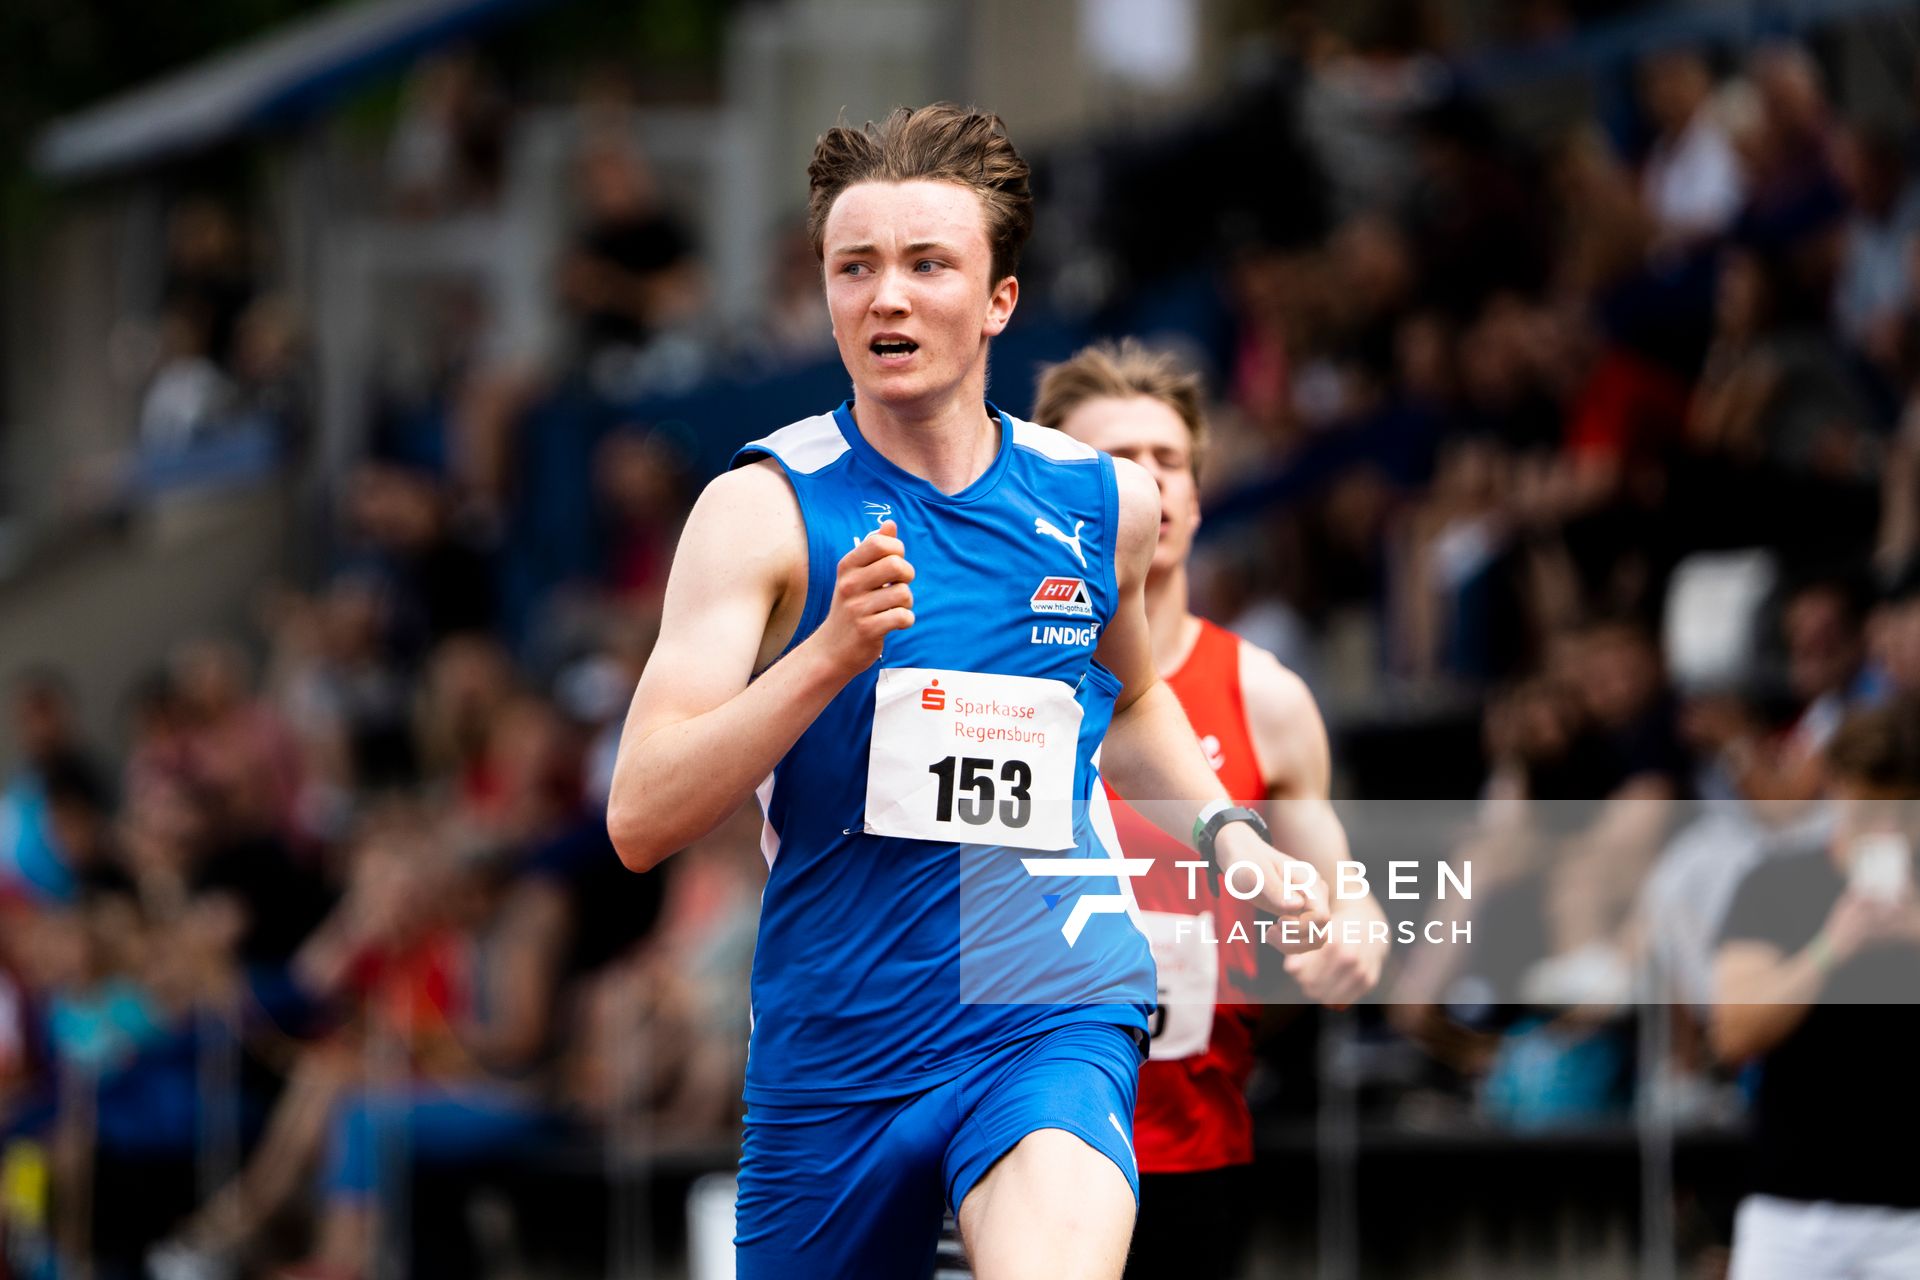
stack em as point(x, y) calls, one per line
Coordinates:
point(1042, 525)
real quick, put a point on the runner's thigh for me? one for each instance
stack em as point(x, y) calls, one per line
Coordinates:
point(840, 1191)
point(1042, 1169)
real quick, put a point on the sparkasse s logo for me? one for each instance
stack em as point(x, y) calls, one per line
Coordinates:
point(1066, 597)
point(933, 698)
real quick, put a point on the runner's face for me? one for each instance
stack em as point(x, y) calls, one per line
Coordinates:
point(909, 285)
point(1148, 431)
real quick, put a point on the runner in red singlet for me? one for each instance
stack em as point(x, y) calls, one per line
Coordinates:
point(1193, 1132)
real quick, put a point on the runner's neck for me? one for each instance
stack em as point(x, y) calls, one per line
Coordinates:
point(949, 447)
point(1170, 625)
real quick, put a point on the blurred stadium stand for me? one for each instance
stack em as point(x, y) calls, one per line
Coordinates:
point(404, 424)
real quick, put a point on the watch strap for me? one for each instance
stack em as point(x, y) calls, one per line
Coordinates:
point(1217, 816)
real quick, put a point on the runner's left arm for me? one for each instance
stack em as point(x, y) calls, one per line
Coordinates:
point(1290, 743)
point(1150, 754)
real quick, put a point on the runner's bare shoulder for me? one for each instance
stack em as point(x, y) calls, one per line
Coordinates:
point(745, 541)
point(1139, 517)
point(1289, 734)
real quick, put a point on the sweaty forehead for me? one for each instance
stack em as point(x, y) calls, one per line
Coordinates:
point(891, 215)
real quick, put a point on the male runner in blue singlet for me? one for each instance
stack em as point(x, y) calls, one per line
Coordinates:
point(908, 625)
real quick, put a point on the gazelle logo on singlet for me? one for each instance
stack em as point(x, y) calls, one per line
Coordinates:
point(1046, 527)
point(878, 512)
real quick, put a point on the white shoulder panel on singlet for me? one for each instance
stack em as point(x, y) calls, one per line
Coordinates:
point(1057, 445)
point(806, 446)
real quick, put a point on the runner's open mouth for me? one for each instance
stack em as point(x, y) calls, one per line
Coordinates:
point(893, 347)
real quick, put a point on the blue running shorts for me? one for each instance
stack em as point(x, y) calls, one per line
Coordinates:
point(857, 1190)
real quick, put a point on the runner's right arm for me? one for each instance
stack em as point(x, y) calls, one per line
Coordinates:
point(702, 733)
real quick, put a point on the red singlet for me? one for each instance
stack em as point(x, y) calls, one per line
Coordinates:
point(1192, 1112)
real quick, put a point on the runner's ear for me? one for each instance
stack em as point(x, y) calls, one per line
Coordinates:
point(1000, 305)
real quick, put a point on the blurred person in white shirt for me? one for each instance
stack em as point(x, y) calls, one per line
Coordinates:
point(1692, 182)
point(1873, 294)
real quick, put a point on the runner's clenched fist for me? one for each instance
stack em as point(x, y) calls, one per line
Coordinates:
point(871, 597)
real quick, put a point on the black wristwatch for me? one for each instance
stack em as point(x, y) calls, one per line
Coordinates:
point(1207, 827)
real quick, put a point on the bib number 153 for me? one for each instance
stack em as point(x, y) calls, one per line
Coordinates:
point(970, 757)
point(973, 777)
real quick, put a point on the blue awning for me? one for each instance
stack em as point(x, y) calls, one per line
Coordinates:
point(276, 79)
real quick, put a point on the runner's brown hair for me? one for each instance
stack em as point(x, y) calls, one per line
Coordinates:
point(937, 143)
point(1120, 371)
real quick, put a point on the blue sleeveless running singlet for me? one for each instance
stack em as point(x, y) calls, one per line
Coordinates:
point(907, 927)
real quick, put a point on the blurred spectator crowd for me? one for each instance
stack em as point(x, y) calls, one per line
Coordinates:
point(369, 887)
point(1604, 448)
point(344, 918)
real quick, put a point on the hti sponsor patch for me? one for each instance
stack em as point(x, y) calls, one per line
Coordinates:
point(1067, 597)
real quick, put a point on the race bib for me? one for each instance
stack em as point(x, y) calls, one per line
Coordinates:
point(1188, 964)
point(971, 758)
